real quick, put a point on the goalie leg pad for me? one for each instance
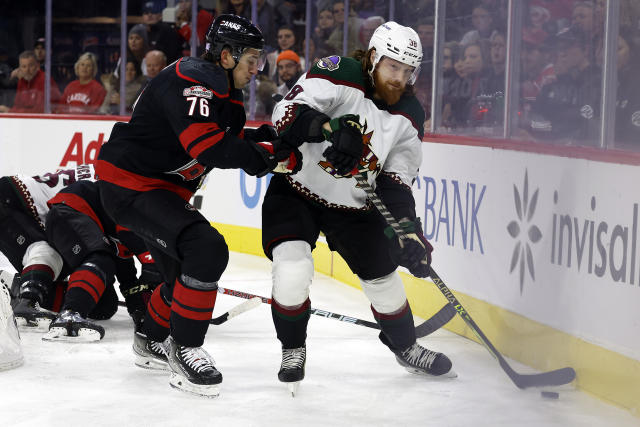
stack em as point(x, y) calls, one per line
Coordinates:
point(292, 272)
point(386, 293)
point(10, 347)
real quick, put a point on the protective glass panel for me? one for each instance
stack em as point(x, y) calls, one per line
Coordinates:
point(473, 68)
point(561, 73)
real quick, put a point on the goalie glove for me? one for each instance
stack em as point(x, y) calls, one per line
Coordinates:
point(346, 147)
point(412, 252)
point(278, 157)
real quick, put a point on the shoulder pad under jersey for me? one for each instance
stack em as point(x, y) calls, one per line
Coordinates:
point(341, 70)
point(410, 107)
point(203, 73)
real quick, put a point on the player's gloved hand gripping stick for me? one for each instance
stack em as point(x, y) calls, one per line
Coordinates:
point(551, 378)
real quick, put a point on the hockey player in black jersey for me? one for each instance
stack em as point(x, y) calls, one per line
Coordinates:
point(189, 119)
point(23, 209)
point(95, 249)
point(346, 113)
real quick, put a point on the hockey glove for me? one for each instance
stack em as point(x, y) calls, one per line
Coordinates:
point(263, 133)
point(136, 297)
point(346, 147)
point(412, 252)
point(278, 157)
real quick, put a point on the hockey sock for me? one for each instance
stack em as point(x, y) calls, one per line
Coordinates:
point(156, 320)
point(55, 298)
point(291, 324)
point(191, 310)
point(398, 331)
point(36, 280)
point(86, 286)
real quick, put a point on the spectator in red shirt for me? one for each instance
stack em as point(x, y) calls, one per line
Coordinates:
point(85, 94)
point(30, 92)
point(183, 21)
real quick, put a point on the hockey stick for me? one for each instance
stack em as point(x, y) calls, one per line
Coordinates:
point(551, 378)
point(428, 326)
point(233, 312)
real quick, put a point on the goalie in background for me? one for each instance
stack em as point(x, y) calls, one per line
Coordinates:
point(10, 347)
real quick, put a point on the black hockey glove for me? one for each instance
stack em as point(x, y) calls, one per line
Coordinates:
point(278, 157)
point(263, 133)
point(136, 297)
point(346, 147)
point(413, 252)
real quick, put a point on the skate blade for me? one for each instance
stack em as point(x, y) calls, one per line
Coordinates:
point(181, 383)
point(450, 374)
point(293, 388)
point(40, 325)
point(60, 335)
point(151, 363)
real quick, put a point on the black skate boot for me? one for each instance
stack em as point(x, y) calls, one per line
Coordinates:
point(70, 326)
point(419, 360)
point(30, 316)
point(193, 370)
point(149, 354)
point(292, 367)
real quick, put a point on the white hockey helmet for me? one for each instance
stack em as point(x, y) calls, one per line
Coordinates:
point(397, 42)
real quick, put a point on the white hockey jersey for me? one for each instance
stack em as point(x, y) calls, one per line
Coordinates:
point(392, 135)
point(37, 190)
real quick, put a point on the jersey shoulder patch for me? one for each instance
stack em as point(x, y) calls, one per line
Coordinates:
point(410, 107)
point(341, 70)
point(201, 78)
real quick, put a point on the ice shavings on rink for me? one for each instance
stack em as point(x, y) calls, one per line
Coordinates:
point(351, 378)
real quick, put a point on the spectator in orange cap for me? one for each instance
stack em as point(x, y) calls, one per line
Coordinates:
point(289, 70)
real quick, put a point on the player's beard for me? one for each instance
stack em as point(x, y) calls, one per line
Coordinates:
point(391, 95)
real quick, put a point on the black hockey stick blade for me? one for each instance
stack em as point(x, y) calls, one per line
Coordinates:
point(544, 379)
point(436, 321)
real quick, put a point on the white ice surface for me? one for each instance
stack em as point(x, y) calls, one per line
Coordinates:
point(351, 378)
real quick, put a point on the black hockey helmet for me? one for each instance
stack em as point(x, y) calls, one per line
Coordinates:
point(234, 32)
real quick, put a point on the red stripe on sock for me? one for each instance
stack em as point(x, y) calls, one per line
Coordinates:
point(288, 312)
point(38, 267)
point(398, 315)
point(58, 299)
point(80, 278)
point(194, 298)
point(190, 314)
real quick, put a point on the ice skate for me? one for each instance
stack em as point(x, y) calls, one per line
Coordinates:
point(292, 367)
point(419, 360)
point(149, 354)
point(10, 347)
point(31, 317)
point(70, 326)
point(193, 370)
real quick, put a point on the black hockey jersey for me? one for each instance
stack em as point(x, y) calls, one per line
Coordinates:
point(185, 122)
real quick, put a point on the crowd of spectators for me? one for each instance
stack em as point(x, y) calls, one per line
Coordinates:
point(559, 79)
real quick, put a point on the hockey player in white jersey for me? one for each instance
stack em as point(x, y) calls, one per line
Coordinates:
point(346, 113)
point(23, 209)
